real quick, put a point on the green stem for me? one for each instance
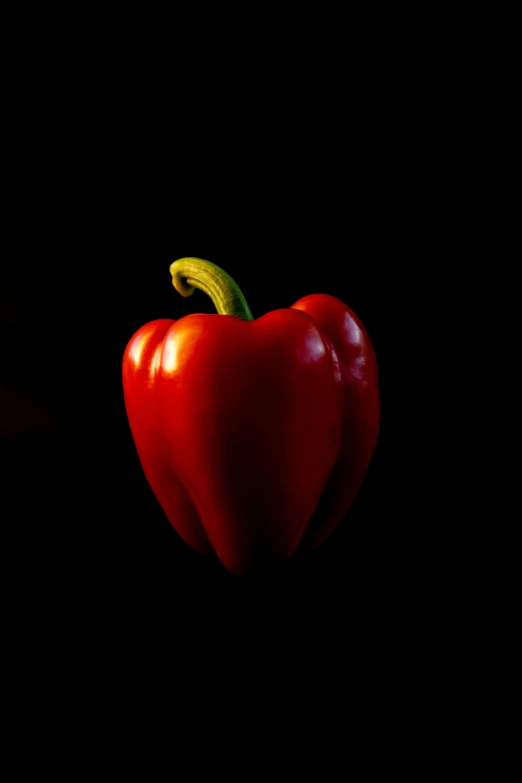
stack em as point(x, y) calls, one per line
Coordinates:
point(190, 273)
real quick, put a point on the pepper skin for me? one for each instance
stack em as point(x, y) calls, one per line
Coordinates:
point(254, 435)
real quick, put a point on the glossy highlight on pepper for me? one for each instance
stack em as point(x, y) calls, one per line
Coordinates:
point(254, 434)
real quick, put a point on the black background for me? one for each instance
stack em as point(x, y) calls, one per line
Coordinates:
point(115, 622)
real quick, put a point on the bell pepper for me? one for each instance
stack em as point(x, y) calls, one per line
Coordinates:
point(254, 434)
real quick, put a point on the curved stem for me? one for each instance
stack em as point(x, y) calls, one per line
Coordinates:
point(190, 273)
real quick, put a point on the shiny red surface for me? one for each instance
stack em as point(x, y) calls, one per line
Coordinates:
point(254, 435)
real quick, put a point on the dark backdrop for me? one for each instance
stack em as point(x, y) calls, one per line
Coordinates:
point(115, 623)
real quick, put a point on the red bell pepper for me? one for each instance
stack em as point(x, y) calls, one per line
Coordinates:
point(254, 435)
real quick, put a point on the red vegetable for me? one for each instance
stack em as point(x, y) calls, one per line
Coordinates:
point(254, 435)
